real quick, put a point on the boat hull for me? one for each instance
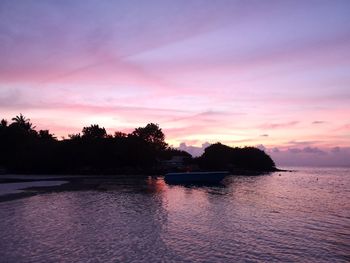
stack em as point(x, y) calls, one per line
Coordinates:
point(195, 177)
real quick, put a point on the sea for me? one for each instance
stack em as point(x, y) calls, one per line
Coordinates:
point(299, 216)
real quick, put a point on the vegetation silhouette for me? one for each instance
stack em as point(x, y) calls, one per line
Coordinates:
point(143, 151)
point(242, 160)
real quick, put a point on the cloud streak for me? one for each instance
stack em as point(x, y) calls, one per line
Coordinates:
point(279, 125)
point(206, 71)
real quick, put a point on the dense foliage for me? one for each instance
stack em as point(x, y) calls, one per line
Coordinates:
point(218, 156)
point(26, 150)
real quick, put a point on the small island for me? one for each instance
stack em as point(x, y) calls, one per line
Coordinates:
point(26, 150)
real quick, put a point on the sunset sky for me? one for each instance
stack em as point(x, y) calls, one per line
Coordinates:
point(273, 74)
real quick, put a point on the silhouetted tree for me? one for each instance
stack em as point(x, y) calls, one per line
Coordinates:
point(46, 135)
point(170, 152)
point(23, 123)
point(119, 134)
point(219, 156)
point(24, 150)
point(3, 123)
point(76, 136)
point(152, 134)
point(94, 132)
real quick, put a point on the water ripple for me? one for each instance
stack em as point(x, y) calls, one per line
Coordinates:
point(272, 218)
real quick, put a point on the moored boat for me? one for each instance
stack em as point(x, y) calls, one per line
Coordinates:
point(195, 177)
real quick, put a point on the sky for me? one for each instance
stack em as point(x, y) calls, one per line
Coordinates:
point(271, 74)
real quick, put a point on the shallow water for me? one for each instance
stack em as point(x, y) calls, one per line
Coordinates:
point(13, 188)
point(296, 217)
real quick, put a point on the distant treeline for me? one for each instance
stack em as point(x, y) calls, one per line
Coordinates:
point(23, 149)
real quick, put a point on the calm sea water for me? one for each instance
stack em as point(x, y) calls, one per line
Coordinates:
point(296, 217)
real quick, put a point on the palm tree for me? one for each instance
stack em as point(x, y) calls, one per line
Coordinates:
point(23, 122)
point(20, 119)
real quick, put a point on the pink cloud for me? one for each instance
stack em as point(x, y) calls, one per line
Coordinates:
point(204, 71)
point(311, 156)
point(279, 125)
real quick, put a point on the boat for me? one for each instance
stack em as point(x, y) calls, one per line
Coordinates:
point(195, 177)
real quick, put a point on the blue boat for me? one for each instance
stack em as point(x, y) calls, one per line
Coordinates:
point(195, 177)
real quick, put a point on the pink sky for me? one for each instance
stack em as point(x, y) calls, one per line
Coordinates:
point(272, 73)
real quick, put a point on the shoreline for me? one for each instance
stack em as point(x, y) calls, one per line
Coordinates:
point(66, 183)
point(75, 182)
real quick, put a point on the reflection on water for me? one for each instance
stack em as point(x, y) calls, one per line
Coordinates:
point(302, 216)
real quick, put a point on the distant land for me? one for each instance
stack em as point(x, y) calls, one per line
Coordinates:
point(93, 151)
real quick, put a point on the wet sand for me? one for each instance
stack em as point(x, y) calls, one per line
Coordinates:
point(20, 186)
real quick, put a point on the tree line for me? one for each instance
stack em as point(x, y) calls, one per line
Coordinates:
point(27, 150)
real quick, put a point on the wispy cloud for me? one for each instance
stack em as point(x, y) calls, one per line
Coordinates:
point(318, 122)
point(311, 150)
point(345, 127)
point(311, 156)
point(279, 125)
point(205, 71)
point(302, 143)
